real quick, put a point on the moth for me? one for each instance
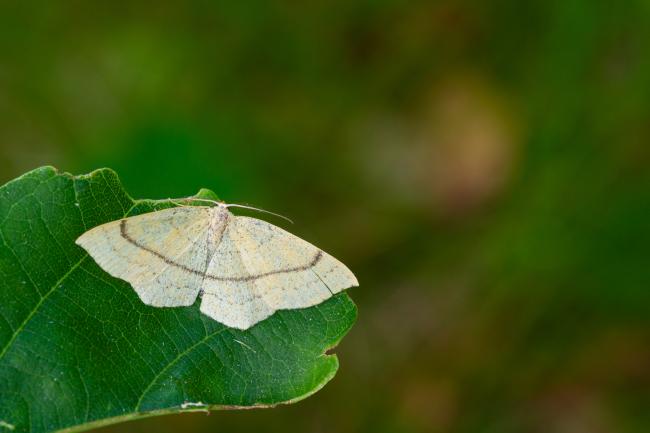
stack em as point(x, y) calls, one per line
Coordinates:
point(244, 269)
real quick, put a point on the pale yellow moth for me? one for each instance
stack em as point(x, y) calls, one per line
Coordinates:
point(243, 268)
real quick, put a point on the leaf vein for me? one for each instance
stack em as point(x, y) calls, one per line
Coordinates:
point(43, 297)
point(174, 361)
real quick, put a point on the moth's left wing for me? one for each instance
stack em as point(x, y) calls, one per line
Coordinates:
point(162, 254)
point(259, 268)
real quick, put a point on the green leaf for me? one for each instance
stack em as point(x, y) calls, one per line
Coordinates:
point(78, 349)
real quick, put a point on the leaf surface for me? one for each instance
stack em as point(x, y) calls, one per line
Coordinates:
point(78, 349)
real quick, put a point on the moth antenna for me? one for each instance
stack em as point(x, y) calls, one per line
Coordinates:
point(243, 206)
point(206, 200)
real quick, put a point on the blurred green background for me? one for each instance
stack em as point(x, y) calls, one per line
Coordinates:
point(483, 167)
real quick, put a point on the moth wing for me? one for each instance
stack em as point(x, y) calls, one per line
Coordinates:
point(259, 268)
point(162, 254)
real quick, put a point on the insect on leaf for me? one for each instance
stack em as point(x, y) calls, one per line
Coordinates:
point(79, 349)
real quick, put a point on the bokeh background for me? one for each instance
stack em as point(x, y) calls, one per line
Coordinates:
point(483, 167)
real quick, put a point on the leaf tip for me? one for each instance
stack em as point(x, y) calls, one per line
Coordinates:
point(206, 194)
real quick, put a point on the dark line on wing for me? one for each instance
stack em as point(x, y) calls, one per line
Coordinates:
point(317, 258)
point(314, 261)
point(324, 283)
